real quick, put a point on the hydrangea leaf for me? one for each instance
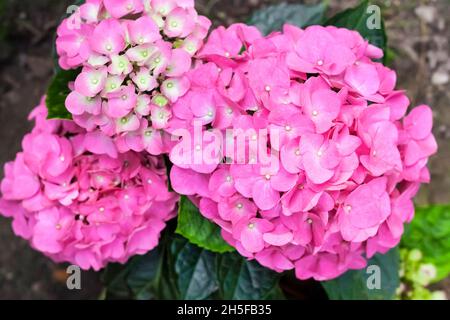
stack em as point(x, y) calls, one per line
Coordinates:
point(149, 276)
point(198, 230)
point(143, 274)
point(58, 92)
point(430, 233)
point(195, 269)
point(367, 20)
point(114, 281)
point(354, 284)
point(272, 18)
point(241, 279)
point(178, 269)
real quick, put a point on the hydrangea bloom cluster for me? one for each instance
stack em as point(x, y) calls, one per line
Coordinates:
point(133, 56)
point(77, 200)
point(348, 158)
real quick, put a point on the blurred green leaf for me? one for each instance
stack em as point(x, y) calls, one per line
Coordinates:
point(357, 19)
point(272, 18)
point(241, 279)
point(353, 284)
point(198, 230)
point(195, 268)
point(58, 92)
point(145, 277)
point(178, 269)
point(429, 232)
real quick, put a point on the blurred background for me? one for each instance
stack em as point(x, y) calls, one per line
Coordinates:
point(418, 32)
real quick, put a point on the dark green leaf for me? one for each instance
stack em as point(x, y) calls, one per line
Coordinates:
point(195, 268)
point(429, 232)
point(360, 19)
point(114, 280)
point(198, 230)
point(178, 269)
point(240, 279)
point(353, 285)
point(143, 275)
point(58, 92)
point(272, 18)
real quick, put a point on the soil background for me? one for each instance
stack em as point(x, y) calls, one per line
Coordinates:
point(418, 31)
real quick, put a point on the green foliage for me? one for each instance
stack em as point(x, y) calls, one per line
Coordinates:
point(142, 278)
point(357, 19)
point(430, 233)
point(178, 269)
point(241, 279)
point(353, 284)
point(198, 230)
point(272, 18)
point(195, 268)
point(58, 92)
point(416, 276)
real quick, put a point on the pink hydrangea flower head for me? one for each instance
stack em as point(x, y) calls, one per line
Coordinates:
point(76, 199)
point(128, 51)
point(317, 162)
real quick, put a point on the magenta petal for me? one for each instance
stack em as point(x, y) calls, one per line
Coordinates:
point(264, 195)
point(98, 143)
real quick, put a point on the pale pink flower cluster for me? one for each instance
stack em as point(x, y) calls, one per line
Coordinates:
point(77, 200)
point(350, 161)
point(134, 55)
